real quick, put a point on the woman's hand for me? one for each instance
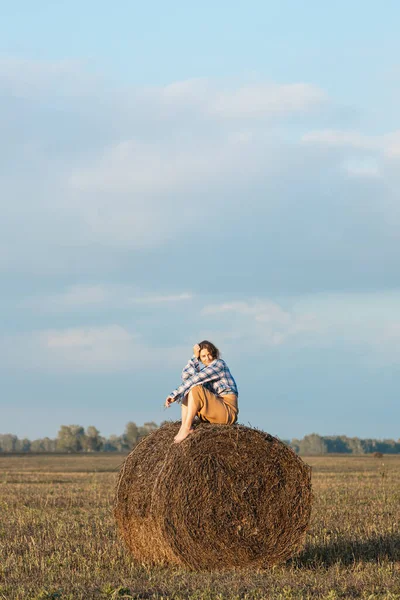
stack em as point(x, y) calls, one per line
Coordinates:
point(168, 402)
point(196, 350)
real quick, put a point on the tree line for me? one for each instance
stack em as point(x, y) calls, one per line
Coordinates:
point(341, 444)
point(75, 438)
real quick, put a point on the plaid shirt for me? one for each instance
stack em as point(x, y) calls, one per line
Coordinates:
point(216, 377)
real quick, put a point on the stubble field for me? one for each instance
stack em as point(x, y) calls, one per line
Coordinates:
point(58, 537)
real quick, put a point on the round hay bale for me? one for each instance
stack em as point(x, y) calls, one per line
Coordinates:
point(377, 455)
point(227, 496)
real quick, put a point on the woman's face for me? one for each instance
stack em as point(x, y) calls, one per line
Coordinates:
point(205, 356)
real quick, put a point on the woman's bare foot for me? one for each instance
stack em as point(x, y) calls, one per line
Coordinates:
point(182, 434)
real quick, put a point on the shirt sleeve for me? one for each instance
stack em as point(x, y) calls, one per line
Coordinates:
point(191, 368)
point(210, 373)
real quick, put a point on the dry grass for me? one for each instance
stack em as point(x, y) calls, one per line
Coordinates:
point(58, 537)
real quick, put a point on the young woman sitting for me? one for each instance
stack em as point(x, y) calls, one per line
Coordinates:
point(208, 390)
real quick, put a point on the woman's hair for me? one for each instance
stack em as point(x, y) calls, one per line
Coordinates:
point(213, 350)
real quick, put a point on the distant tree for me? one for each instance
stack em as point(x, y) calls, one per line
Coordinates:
point(50, 445)
point(73, 438)
point(146, 429)
point(43, 445)
point(92, 441)
point(337, 444)
point(115, 443)
point(150, 426)
point(70, 438)
point(295, 445)
point(131, 434)
point(23, 445)
point(357, 446)
point(388, 446)
point(37, 446)
point(8, 442)
point(312, 444)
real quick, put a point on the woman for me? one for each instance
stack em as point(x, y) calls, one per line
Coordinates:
point(208, 390)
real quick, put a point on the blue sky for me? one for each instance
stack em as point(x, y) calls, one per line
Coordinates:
point(173, 172)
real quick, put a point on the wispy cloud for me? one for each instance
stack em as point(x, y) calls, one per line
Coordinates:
point(367, 168)
point(107, 349)
point(131, 172)
point(265, 321)
point(32, 79)
point(334, 138)
point(81, 297)
point(366, 322)
point(388, 144)
point(85, 337)
point(267, 99)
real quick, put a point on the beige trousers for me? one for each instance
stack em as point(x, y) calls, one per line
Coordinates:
point(215, 409)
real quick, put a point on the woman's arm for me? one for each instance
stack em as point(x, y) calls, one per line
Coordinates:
point(191, 368)
point(210, 373)
point(194, 365)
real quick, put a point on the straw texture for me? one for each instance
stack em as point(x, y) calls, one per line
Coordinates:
point(227, 496)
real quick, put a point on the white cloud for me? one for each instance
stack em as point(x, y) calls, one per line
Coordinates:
point(106, 349)
point(334, 138)
point(26, 78)
point(70, 79)
point(80, 297)
point(366, 322)
point(392, 331)
point(363, 169)
point(380, 345)
point(143, 170)
point(161, 299)
point(267, 99)
point(385, 144)
point(392, 145)
point(85, 338)
point(265, 321)
point(215, 99)
point(76, 296)
point(129, 172)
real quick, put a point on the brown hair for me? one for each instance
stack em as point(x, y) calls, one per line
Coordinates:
point(213, 350)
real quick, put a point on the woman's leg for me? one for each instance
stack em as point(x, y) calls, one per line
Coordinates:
point(184, 408)
point(215, 409)
point(189, 411)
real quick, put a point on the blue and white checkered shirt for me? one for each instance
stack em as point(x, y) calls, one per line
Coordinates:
point(216, 377)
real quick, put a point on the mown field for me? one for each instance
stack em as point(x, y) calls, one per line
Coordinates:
point(58, 537)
